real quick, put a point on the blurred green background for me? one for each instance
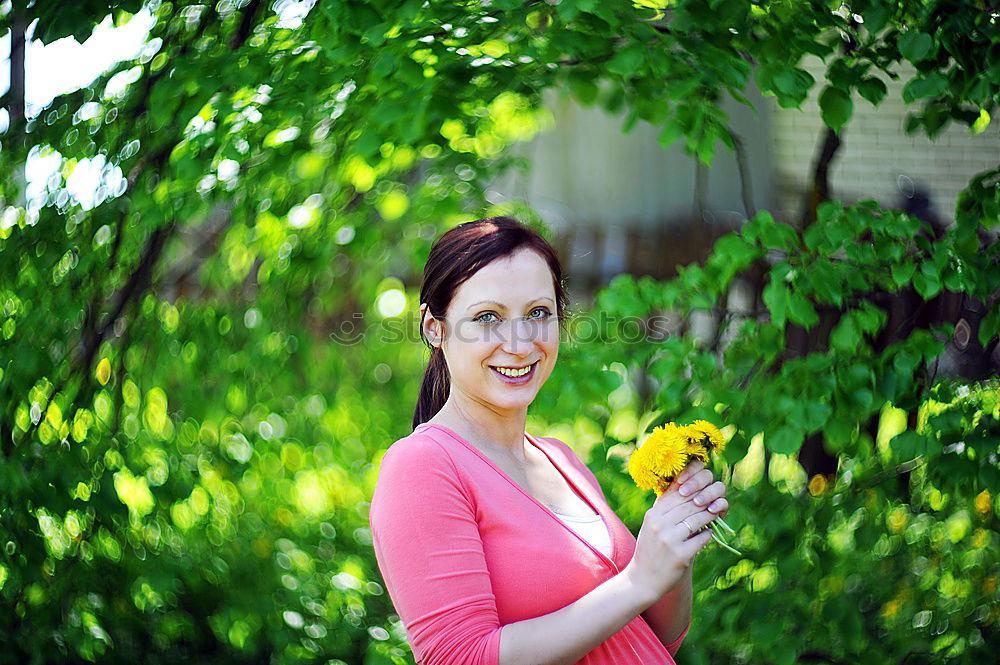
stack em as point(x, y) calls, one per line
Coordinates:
point(202, 361)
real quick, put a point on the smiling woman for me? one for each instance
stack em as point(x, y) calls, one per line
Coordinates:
point(490, 345)
point(491, 288)
point(497, 546)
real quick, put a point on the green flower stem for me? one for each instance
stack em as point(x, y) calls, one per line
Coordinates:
point(717, 536)
point(721, 522)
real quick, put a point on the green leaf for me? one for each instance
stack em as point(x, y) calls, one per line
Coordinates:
point(789, 84)
point(872, 89)
point(876, 18)
point(863, 398)
point(776, 298)
point(801, 311)
point(945, 422)
point(838, 433)
point(887, 383)
point(585, 89)
point(784, 654)
point(733, 249)
point(816, 415)
point(384, 64)
point(845, 335)
point(784, 440)
point(925, 87)
point(838, 232)
point(793, 81)
point(628, 61)
point(777, 235)
point(915, 45)
point(836, 107)
point(411, 72)
point(908, 445)
point(706, 147)
point(989, 326)
point(871, 318)
point(902, 273)
point(927, 286)
point(906, 361)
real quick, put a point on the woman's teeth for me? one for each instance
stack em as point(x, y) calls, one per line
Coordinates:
point(513, 373)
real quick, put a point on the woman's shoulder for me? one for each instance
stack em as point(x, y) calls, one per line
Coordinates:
point(417, 464)
point(417, 447)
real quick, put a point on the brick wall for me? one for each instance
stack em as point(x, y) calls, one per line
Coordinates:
point(877, 157)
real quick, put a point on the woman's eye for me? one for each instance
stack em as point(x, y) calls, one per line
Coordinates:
point(545, 314)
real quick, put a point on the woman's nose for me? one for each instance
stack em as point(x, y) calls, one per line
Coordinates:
point(517, 334)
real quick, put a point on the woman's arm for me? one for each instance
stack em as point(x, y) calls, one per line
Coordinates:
point(565, 636)
point(670, 615)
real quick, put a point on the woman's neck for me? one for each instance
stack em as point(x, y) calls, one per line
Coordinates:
point(485, 428)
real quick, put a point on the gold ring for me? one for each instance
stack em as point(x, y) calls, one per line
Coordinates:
point(690, 530)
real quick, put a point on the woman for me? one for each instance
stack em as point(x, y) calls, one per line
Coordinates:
point(498, 547)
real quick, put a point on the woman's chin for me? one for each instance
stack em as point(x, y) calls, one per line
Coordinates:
point(509, 402)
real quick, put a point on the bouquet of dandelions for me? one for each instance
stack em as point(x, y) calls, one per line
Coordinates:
point(664, 454)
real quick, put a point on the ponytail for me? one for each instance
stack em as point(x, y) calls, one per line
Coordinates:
point(433, 389)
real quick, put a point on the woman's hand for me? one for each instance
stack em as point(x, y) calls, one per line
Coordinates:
point(671, 533)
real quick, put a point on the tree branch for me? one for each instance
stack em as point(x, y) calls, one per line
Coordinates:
point(743, 166)
point(246, 25)
point(897, 470)
point(700, 189)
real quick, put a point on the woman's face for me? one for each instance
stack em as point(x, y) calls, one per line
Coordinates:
point(504, 316)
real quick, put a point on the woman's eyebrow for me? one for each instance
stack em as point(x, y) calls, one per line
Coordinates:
point(494, 302)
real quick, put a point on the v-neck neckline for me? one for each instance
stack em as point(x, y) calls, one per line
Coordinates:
point(584, 493)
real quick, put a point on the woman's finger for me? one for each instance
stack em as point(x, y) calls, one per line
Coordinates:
point(692, 524)
point(696, 483)
point(693, 467)
point(695, 543)
point(706, 496)
point(687, 510)
point(720, 507)
point(669, 500)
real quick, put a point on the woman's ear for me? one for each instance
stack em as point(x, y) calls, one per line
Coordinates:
point(431, 326)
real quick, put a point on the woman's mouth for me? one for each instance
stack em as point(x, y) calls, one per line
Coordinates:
point(515, 377)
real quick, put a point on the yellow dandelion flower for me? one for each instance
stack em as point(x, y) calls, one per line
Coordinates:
point(697, 451)
point(661, 457)
point(640, 469)
point(668, 454)
point(702, 429)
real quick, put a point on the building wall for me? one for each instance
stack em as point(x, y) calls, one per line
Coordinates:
point(585, 172)
point(620, 202)
point(877, 159)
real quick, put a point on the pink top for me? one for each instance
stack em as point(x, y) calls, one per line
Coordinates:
point(464, 550)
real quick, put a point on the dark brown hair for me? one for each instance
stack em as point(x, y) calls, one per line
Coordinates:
point(455, 257)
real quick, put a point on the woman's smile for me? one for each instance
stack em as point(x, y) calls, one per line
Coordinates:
point(515, 376)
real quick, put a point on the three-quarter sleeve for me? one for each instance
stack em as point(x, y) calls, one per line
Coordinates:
point(429, 550)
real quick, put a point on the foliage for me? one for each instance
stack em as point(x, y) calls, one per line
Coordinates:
point(202, 366)
point(854, 564)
